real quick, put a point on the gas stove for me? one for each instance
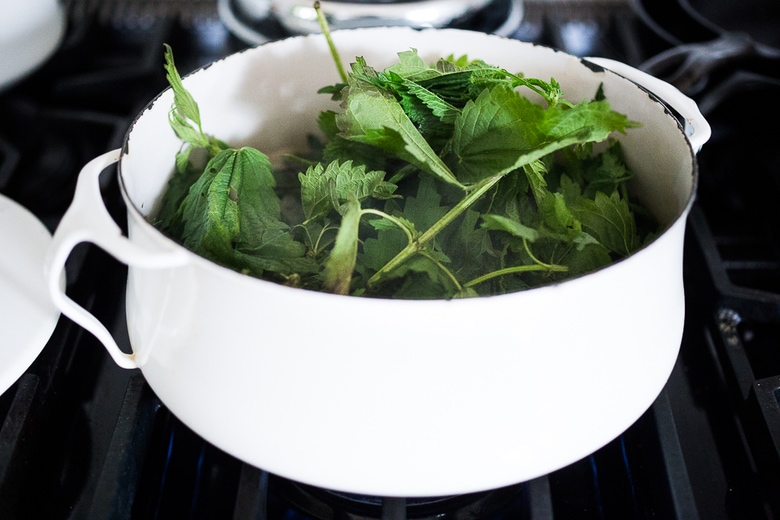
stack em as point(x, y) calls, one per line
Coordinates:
point(82, 438)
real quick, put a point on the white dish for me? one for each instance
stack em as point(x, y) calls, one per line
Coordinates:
point(30, 32)
point(27, 316)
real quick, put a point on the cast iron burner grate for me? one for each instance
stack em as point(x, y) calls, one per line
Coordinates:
point(637, 476)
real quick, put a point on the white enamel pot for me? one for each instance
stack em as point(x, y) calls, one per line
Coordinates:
point(381, 397)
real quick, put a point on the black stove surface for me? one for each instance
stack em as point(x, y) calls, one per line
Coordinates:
point(83, 439)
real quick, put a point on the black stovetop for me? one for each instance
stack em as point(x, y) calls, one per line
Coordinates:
point(81, 438)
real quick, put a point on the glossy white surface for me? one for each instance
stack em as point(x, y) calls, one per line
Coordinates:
point(27, 315)
point(454, 396)
point(30, 31)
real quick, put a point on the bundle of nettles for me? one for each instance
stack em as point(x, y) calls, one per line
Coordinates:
point(432, 181)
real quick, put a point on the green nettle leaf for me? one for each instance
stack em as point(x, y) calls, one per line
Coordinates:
point(562, 120)
point(361, 70)
point(585, 259)
point(493, 131)
point(389, 240)
point(606, 172)
point(324, 188)
point(263, 233)
point(511, 226)
point(232, 211)
point(550, 91)
point(535, 173)
point(424, 277)
point(341, 262)
point(459, 84)
point(373, 116)
point(184, 117)
point(175, 192)
point(445, 111)
point(425, 208)
point(209, 218)
point(469, 247)
point(515, 195)
point(432, 115)
point(420, 212)
point(411, 66)
point(557, 215)
point(608, 218)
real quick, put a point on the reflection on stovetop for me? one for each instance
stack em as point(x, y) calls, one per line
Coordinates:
point(81, 438)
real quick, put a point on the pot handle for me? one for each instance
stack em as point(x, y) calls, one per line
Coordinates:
point(696, 126)
point(88, 220)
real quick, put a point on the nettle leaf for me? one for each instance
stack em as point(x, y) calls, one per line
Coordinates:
point(424, 209)
point(373, 116)
point(432, 115)
point(444, 111)
point(469, 247)
point(492, 131)
point(535, 173)
point(343, 256)
point(559, 221)
point(361, 70)
point(509, 225)
point(550, 91)
point(452, 63)
point(606, 172)
point(263, 233)
point(379, 250)
point(411, 66)
point(184, 117)
point(596, 116)
point(326, 121)
point(232, 210)
point(422, 277)
point(418, 213)
point(501, 126)
point(608, 218)
point(458, 83)
point(503, 170)
point(590, 257)
point(324, 188)
point(209, 218)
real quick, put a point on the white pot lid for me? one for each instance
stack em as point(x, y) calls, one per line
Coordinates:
point(30, 32)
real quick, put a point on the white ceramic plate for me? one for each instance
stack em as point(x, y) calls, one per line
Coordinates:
point(27, 315)
point(30, 32)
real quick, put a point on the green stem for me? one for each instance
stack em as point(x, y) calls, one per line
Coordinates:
point(475, 192)
point(538, 265)
point(536, 260)
point(444, 269)
point(516, 269)
point(333, 51)
point(417, 244)
point(392, 219)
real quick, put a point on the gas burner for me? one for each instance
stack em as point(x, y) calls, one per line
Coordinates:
point(323, 504)
point(257, 22)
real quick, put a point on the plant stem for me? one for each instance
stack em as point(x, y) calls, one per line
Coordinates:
point(333, 51)
point(445, 270)
point(416, 245)
point(391, 219)
point(516, 269)
point(475, 192)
